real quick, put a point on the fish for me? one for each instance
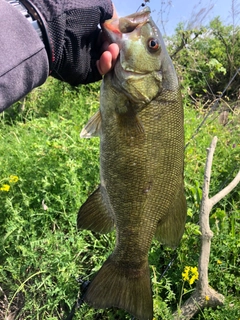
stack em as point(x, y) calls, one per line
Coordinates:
point(141, 191)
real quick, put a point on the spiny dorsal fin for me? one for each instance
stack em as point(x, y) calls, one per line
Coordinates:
point(92, 128)
point(94, 215)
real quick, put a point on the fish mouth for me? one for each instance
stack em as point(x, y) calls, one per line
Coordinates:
point(114, 29)
point(125, 71)
point(135, 73)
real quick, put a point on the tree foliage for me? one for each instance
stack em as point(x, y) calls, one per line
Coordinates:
point(207, 59)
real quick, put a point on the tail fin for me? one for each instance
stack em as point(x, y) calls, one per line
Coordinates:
point(126, 288)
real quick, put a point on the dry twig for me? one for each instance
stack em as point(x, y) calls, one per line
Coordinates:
point(204, 295)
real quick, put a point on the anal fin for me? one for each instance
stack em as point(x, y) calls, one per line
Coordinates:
point(94, 215)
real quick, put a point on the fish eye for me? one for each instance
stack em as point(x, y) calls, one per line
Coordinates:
point(153, 44)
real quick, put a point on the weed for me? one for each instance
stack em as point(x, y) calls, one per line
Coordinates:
point(47, 172)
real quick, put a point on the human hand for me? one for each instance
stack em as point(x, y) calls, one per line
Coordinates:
point(110, 53)
point(79, 54)
point(108, 58)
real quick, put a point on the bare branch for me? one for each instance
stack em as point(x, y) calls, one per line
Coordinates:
point(198, 15)
point(215, 199)
point(208, 168)
point(213, 108)
point(204, 295)
point(198, 301)
point(187, 38)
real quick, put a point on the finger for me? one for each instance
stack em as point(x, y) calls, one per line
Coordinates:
point(104, 64)
point(113, 48)
point(108, 59)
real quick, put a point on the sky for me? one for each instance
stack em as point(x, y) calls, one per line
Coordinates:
point(179, 11)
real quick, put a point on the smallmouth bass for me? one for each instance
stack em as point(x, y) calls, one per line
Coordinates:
point(140, 124)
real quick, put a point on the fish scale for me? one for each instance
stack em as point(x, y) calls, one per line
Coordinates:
point(141, 193)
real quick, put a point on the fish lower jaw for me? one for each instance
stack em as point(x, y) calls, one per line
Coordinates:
point(132, 73)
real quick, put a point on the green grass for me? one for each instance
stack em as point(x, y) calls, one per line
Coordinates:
point(41, 252)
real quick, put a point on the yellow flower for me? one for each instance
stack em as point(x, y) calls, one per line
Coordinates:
point(5, 187)
point(13, 179)
point(185, 274)
point(207, 298)
point(219, 262)
point(190, 274)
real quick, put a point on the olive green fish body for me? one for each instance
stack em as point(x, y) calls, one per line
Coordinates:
point(140, 124)
point(142, 173)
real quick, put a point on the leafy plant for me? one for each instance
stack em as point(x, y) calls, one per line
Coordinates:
point(47, 172)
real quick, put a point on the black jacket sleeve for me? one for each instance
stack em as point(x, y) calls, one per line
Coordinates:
point(23, 58)
point(73, 31)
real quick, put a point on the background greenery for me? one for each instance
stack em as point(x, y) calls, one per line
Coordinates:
point(41, 252)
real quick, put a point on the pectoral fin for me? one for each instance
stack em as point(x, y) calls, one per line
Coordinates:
point(94, 215)
point(170, 229)
point(92, 128)
point(131, 125)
